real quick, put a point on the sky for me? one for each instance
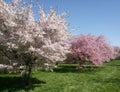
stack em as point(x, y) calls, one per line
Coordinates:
point(98, 17)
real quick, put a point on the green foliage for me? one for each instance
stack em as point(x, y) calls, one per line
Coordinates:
point(66, 78)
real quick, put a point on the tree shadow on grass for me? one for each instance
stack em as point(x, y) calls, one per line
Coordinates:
point(113, 63)
point(107, 80)
point(116, 65)
point(72, 69)
point(13, 84)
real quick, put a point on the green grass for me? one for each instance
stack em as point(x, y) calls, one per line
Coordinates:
point(67, 79)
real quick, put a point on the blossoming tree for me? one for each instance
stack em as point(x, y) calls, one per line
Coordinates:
point(117, 52)
point(46, 37)
point(89, 48)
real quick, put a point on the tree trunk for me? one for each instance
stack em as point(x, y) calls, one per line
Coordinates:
point(80, 65)
point(28, 74)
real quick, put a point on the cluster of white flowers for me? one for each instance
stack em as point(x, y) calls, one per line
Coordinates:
point(47, 37)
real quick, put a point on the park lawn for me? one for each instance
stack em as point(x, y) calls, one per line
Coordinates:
point(66, 78)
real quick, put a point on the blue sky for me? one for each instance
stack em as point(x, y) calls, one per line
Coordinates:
point(89, 16)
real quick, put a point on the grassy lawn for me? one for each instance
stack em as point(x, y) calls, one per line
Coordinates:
point(67, 79)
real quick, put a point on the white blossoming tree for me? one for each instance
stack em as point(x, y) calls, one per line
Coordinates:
point(47, 37)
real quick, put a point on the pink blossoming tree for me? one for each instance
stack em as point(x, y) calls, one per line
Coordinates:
point(117, 52)
point(89, 48)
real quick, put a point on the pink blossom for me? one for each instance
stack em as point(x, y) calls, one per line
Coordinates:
point(91, 49)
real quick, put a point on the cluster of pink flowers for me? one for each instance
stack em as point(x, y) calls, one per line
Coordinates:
point(91, 49)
